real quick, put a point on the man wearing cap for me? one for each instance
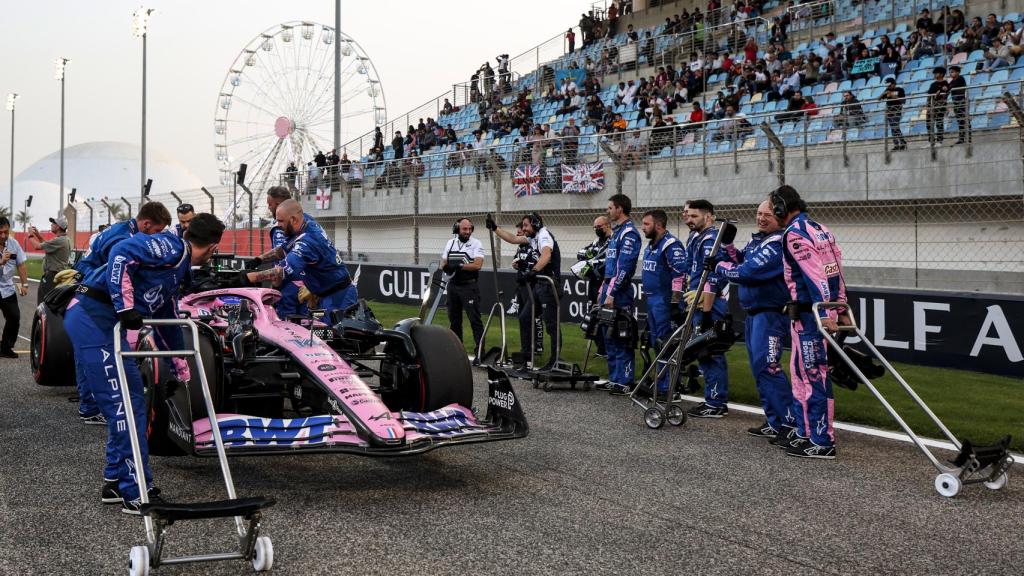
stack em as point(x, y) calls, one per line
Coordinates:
point(186, 212)
point(57, 252)
point(894, 98)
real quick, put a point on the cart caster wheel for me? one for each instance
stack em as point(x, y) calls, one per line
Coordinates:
point(263, 558)
point(676, 415)
point(998, 483)
point(587, 387)
point(654, 418)
point(572, 385)
point(138, 561)
point(947, 485)
point(536, 383)
point(547, 386)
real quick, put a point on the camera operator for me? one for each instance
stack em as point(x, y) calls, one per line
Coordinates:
point(590, 267)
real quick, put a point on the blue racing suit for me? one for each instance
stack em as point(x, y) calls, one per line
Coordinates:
point(96, 257)
point(663, 272)
point(145, 273)
point(758, 271)
point(312, 258)
point(289, 302)
point(714, 368)
point(619, 267)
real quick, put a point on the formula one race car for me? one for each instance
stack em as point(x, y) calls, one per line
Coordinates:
point(297, 384)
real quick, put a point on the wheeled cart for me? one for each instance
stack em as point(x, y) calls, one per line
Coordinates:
point(559, 372)
point(247, 512)
point(989, 465)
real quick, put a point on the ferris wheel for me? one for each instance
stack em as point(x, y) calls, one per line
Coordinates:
point(276, 104)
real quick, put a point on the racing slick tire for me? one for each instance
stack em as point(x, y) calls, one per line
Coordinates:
point(161, 388)
point(50, 352)
point(445, 374)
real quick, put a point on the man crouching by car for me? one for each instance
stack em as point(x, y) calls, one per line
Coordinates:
point(143, 278)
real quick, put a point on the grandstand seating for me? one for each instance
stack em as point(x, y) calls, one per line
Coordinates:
point(986, 112)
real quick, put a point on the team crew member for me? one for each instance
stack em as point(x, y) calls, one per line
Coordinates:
point(617, 291)
point(143, 278)
point(712, 306)
point(57, 252)
point(311, 256)
point(13, 258)
point(95, 235)
point(591, 262)
point(289, 303)
point(152, 218)
point(757, 269)
point(814, 273)
point(664, 271)
point(185, 215)
point(523, 261)
point(463, 258)
point(548, 264)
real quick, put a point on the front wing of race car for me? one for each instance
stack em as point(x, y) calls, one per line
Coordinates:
point(420, 431)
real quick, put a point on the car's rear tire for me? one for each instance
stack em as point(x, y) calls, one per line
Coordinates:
point(50, 352)
point(445, 374)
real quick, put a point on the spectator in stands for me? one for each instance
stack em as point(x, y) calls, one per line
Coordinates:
point(958, 94)
point(447, 108)
point(378, 138)
point(811, 71)
point(894, 98)
point(291, 176)
point(968, 42)
point(320, 159)
point(892, 57)
point(851, 113)
point(900, 47)
point(312, 177)
point(938, 94)
point(504, 74)
point(794, 111)
point(345, 164)
point(924, 20)
point(1011, 39)
point(455, 159)
point(998, 56)
point(570, 39)
point(595, 111)
point(631, 35)
point(956, 23)
point(925, 45)
point(536, 142)
point(790, 81)
point(571, 103)
point(620, 124)
point(570, 142)
point(990, 31)
point(398, 145)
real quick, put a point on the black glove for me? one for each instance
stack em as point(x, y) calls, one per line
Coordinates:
point(710, 262)
point(130, 319)
point(449, 269)
point(243, 279)
point(677, 315)
point(530, 275)
point(490, 223)
point(706, 321)
point(255, 263)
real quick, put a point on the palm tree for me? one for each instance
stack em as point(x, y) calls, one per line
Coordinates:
point(23, 218)
point(117, 212)
point(5, 212)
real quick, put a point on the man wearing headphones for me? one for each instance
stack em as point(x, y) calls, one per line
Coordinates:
point(813, 270)
point(523, 261)
point(548, 264)
point(617, 292)
point(462, 258)
point(758, 271)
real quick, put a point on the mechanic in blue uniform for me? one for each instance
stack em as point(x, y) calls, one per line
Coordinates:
point(309, 251)
point(664, 269)
point(186, 212)
point(617, 292)
point(289, 303)
point(758, 270)
point(711, 306)
point(142, 278)
point(152, 218)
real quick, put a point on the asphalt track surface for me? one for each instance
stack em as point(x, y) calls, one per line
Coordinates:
point(591, 490)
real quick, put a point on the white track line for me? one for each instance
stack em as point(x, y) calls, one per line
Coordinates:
point(866, 430)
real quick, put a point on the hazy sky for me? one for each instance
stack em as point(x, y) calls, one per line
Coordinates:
point(419, 48)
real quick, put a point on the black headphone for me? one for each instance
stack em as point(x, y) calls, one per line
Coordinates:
point(455, 226)
point(780, 208)
point(535, 221)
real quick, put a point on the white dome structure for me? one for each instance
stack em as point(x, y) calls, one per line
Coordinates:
point(105, 169)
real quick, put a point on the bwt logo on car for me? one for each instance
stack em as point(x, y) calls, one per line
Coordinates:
point(403, 284)
point(280, 431)
point(505, 400)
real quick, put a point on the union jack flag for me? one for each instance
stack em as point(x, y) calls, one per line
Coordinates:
point(323, 198)
point(582, 178)
point(526, 180)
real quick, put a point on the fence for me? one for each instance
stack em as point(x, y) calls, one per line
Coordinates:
point(934, 216)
